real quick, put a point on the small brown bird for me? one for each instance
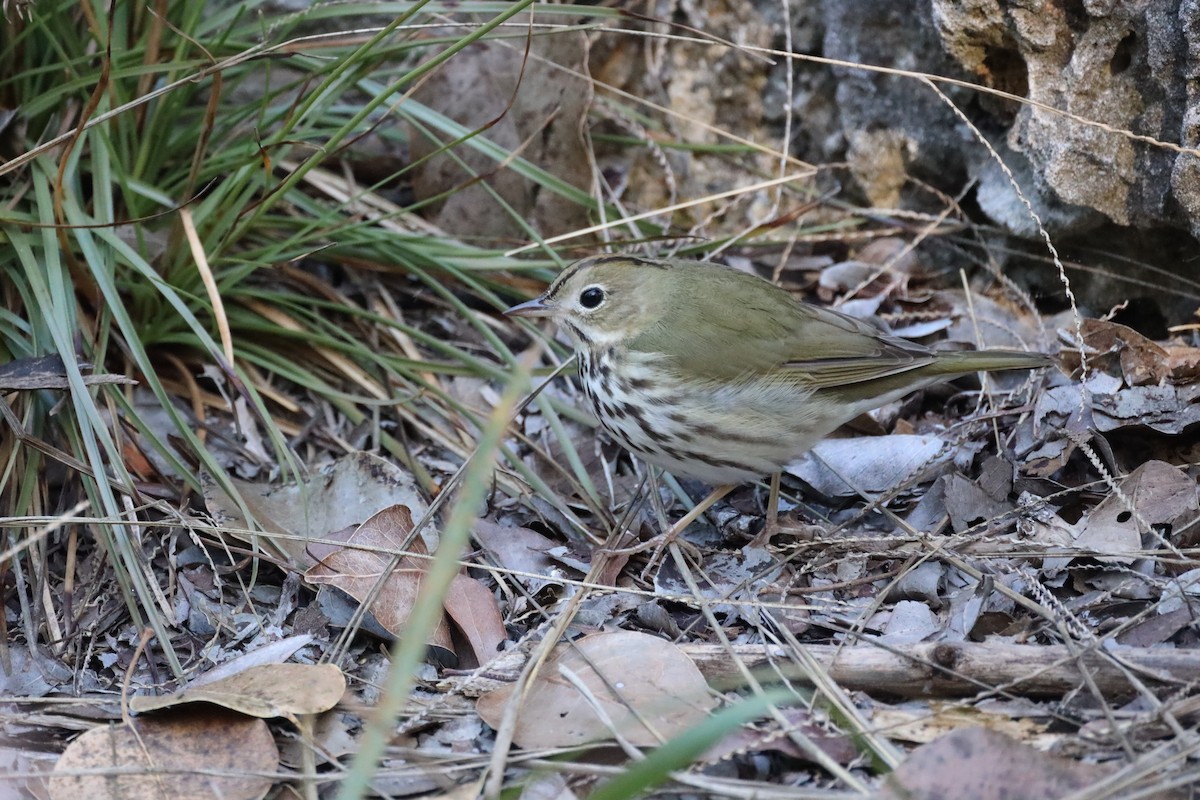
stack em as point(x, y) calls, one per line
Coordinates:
point(716, 374)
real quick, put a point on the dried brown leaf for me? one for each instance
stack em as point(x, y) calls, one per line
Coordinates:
point(473, 608)
point(357, 571)
point(1140, 360)
point(1183, 362)
point(195, 753)
point(985, 765)
point(358, 566)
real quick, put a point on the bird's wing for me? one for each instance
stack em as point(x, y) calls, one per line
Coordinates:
point(774, 334)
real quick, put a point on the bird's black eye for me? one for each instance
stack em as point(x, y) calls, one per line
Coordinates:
point(591, 297)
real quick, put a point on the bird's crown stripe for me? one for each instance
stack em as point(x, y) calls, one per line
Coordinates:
point(565, 276)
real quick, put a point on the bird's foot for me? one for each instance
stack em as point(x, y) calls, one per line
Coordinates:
point(789, 525)
point(770, 528)
point(672, 534)
point(659, 545)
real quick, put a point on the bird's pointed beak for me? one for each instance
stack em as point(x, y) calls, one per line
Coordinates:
point(537, 307)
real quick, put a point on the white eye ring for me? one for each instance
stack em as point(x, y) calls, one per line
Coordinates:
point(591, 298)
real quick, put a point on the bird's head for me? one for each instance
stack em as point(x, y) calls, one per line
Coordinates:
point(604, 300)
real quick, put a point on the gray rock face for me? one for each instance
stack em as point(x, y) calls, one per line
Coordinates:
point(1123, 65)
point(1090, 70)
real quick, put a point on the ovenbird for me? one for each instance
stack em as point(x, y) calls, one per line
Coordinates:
point(717, 374)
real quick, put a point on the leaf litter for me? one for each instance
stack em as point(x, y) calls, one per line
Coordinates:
point(962, 545)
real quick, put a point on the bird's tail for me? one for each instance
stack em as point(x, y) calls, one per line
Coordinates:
point(966, 361)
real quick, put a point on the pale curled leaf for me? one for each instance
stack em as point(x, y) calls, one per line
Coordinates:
point(622, 671)
point(844, 467)
point(276, 652)
point(271, 690)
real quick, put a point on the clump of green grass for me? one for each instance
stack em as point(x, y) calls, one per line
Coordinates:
point(170, 214)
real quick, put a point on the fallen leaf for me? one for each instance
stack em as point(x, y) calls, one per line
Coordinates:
point(969, 505)
point(1158, 628)
point(339, 496)
point(909, 622)
point(1161, 494)
point(473, 608)
point(1166, 409)
point(276, 652)
point(359, 565)
point(1183, 362)
point(985, 765)
point(925, 582)
point(270, 690)
point(356, 571)
point(767, 737)
point(547, 786)
point(201, 754)
point(626, 672)
point(1182, 591)
point(921, 723)
point(740, 582)
point(32, 673)
point(25, 768)
point(844, 467)
point(983, 321)
point(520, 550)
point(1141, 361)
